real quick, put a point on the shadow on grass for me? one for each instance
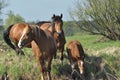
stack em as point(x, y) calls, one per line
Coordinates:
point(95, 69)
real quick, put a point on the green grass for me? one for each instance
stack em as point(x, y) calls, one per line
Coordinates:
point(26, 66)
point(113, 61)
point(18, 65)
point(91, 41)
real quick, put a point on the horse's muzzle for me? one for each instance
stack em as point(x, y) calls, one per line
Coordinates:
point(59, 34)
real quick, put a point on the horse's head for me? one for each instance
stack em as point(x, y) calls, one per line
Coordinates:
point(26, 36)
point(58, 23)
point(81, 66)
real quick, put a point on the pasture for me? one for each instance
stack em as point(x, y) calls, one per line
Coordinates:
point(102, 60)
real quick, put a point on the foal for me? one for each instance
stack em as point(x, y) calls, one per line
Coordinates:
point(76, 54)
point(43, 45)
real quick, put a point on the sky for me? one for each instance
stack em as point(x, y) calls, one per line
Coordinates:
point(42, 10)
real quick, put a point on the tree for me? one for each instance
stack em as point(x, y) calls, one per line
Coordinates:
point(12, 19)
point(98, 17)
point(69, 29)
point(3, 4)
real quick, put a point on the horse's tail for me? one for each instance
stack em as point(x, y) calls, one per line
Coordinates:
point(6, 37)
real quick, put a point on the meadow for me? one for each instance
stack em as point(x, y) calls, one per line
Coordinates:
point(101, 62)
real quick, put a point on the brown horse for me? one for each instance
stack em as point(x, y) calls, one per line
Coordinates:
point(14, 32)
point(76, 54)
point(57, 31)
point(43, 45)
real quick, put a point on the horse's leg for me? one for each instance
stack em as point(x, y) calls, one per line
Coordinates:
point(61, 54)
point(48, 75)
point(49, 68)
point(18, 50)
point(69, 56)
point(41, 72)
point(39, 59)
point(55, 55)
point(40, 62)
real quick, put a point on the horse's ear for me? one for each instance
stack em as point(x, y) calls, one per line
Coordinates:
point(61, 15)
point(53, 16)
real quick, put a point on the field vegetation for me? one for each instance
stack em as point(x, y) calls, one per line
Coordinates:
point(101, 62)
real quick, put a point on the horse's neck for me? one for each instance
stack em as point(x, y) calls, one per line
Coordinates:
point(42, 39)
point(53, 26)
point(50, 26)
point(40, 35)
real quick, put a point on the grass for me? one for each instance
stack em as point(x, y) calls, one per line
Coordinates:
point(17, 65)
point(113, 62)
point(92, 41)
point(26, 67)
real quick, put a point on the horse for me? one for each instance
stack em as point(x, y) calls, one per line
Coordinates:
point(57, 31)
point(76, 55)
point(43, 45)
point(5, 76)
point(13, 33)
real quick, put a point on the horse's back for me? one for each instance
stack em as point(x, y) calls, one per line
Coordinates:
point(46, 26)
point(74, 49)
point(73, 42)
